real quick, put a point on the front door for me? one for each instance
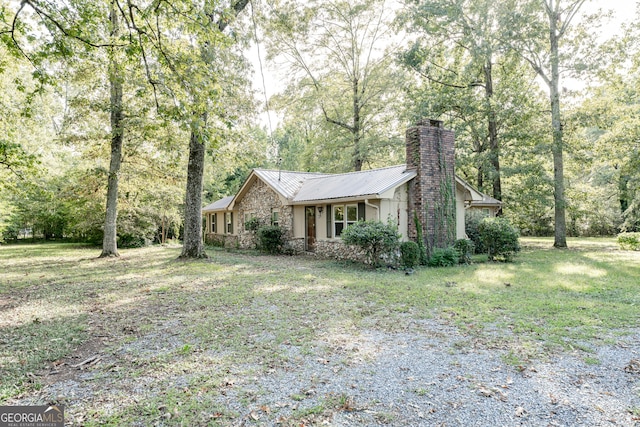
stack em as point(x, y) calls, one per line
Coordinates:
point(310, 240)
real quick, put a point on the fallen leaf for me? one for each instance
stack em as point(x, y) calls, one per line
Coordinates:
point(633, 367)
point(485, 392)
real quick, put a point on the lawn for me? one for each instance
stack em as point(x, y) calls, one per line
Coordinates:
point(146, 320)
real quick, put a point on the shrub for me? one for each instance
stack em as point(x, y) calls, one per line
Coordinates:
point(629, 241)
point(465, 248)
point(409, 254)
point(499, 238)
point(252, 225)
point(471, 223)
point(443, 257)
point(379, 240)
point(130, 240)
point(271, 239)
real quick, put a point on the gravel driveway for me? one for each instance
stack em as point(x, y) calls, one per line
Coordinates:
point(428, 375)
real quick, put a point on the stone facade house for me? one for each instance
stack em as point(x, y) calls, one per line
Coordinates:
point(314, 208)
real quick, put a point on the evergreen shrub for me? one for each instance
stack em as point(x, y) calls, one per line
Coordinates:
point(499, 238)
point(271, 239)
point(380, 241)
point(444, 257)
point(409, 254)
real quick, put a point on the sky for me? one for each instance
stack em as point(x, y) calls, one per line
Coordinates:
point(624, 11)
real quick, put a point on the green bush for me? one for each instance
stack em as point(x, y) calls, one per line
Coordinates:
point(629, 241)
point(499, 238)
point(409, 254)
point(472, 221)
point(133, 241)
point(379, 240)
point(271, 239)
point(252, 225)
point(465, 248)
point(443, 257)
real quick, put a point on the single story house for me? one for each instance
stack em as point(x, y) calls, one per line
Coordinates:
point(314, 208)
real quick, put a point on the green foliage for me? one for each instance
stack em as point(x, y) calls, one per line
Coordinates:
point(465, 248)
point(422, 250)
point(499, 238)
point(271, 239)
point(380, 241)
point(136, 228)
point(338, 105)
point(409, 254)
point(252, 225)
point(472, 219)
point(629, 241)
point(444, 257)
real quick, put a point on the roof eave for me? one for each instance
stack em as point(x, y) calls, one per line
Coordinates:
point(336, 200)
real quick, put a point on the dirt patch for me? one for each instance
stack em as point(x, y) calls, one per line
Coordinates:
point(88, 355)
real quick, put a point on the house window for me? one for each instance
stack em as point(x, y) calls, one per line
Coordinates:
point(344, 216)
point(485, 212)
point(229, 222)
point(248, 216)
point(212, 223)
point(275, 217)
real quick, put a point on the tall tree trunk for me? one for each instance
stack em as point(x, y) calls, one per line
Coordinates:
point(109, 242)
point(357, 137)
point(560, 240)
point(494, 147)
point(192, 246)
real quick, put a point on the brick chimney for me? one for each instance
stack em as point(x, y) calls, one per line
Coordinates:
point(432, 197)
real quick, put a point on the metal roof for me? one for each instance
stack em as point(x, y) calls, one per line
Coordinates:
point(286, 183)
point(299, 187)
point(364, 183)
point(218, 205)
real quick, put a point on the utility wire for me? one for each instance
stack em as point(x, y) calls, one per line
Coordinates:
point(264, 85)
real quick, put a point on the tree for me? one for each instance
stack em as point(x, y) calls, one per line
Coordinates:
point(76, 29)
point(607, 141)
point(538, 29)
point(340, 71)
point(458, 58)
point(182, 48)
point(109, 242)
point(469, 78)
point(185, 52)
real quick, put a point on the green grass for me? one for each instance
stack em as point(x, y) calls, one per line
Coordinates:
point(236, 313)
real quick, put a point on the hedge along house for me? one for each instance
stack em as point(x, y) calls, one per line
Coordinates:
point(314, 208)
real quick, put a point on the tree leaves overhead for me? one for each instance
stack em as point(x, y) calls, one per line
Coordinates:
point(340, 68)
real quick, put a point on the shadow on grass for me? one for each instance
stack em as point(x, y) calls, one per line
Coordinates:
point(190, 325)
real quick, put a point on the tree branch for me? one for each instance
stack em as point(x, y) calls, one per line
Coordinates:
point(64, 30)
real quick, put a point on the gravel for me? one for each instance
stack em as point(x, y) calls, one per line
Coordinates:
point(427, 376)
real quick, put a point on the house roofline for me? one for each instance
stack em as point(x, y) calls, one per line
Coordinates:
point(336, 200)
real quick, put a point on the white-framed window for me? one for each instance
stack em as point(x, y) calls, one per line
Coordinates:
point(228, 222)
point(486, 212)
point(344, 216)
point(275, 217)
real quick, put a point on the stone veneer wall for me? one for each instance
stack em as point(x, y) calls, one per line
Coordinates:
point(261, 199)
point(224, 240)
point(338, 250)
point(431, 195)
